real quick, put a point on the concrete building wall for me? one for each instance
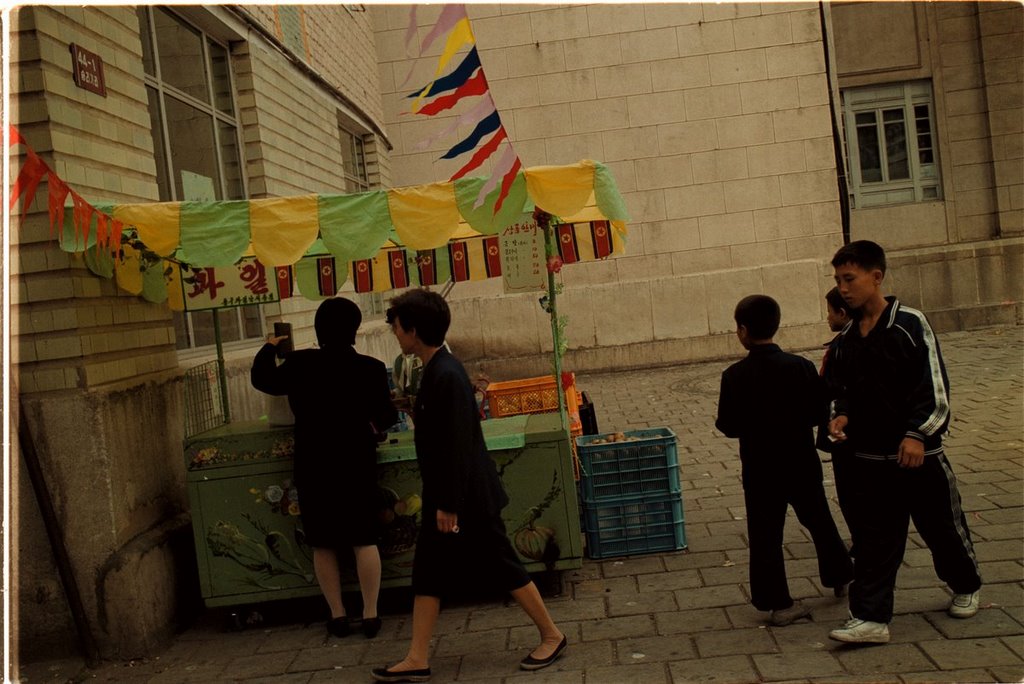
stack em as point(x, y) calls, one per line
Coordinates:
point(959, 257)
point(715, 121)
point(96, 368)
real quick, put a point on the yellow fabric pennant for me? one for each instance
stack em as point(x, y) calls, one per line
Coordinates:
point(283, 228)
point(424, 216)
point(175, 294)
point(158, 225)
point(129, 270)
point(561, 190)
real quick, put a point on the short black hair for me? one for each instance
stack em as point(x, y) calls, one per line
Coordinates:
point(336, 322)
point(864, 253)
point(836, 301)
point(425, 312)
point(760, 315)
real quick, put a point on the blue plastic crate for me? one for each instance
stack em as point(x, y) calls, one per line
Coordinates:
point(647, 465)
point(635, 526)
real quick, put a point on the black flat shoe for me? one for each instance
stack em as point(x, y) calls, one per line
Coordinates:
point(383, 674)
point(371, 626)
point(339, 627)
point(531, 663)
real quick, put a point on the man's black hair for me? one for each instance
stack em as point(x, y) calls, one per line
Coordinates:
point(760, 314)
point(425, 312)
point(836, 301)
point(336, 322)
point(864, 253)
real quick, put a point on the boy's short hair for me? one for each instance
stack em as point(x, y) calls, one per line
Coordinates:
point(336, 321)
point(864, 253)
point(425, 312)
point(760, 314)
point(836, 301)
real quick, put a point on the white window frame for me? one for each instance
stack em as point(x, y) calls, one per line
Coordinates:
point(165, 90)
point(924, 183)
point(353, 159)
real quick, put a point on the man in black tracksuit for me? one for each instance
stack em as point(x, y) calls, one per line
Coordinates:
point(891, 410)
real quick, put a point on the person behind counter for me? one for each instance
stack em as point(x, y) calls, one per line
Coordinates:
point(341, 403)
point(462, 540)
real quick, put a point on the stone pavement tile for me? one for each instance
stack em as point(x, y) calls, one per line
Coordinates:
point(190, 674)
point(603, 587)
point(1008, 673)
point(742, 614)
point(735, 669)
point(487, 641)
point(796, 665)
point(1008, 549)
point(708, 515)
point(722, 543)
point(731, 574)
point(302, 677)
point(263, 665)
point(738, 527)
point(692, 621)
point(707, 597)
point(487, 619)
point(999, 515)
point(919, 557)
point(957, 676)
point(695, 533)
point(526, 637)
point(694, 559)
point(735, 642)
point(647, 602)
point(989, 475)
point(1015, 644)
point(921, 600)
point(648, 673)
point(1016, 612)
point(580, 609)
point(546, 676)
point(915, 578)
point(219, 645)
point(655, 648)
point(617, 628)
point(577, 656)
point(1003, 594)
point(633, 566)
point(344, 652)
point(870, 660)
point(589, 571)
point(670, 580)
point(988, 622)
point(957, 654)
point(302, 637)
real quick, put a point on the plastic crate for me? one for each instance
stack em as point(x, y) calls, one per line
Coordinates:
point(646, 466)
point(634, 526)
point(534, 395)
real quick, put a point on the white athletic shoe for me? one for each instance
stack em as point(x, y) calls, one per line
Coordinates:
point(857, 631)
point(964, 605)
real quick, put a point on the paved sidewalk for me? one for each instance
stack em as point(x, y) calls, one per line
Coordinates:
point(685, 616)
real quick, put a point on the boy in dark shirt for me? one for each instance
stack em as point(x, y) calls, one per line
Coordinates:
point(891, 410)
point(771, 401)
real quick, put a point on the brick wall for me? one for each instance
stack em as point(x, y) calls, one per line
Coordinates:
point(715, 122)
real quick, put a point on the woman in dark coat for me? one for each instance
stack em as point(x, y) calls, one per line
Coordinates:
point(462, 542)
point(341, 403)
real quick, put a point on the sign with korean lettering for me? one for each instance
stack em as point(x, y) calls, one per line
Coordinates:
point(522, 257)
point(88, 70)
point(243, 284)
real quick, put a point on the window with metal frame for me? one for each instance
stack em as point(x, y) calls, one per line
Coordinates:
point(889, 134)
point(196, 143)
point(353, 160)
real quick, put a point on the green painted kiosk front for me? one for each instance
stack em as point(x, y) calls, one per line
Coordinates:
point(245, 508)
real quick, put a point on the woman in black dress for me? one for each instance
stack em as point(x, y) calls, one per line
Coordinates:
point(462, 542)
point(341, 403)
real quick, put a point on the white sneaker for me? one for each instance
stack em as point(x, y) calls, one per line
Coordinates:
point(857, 631)
point(964, 605)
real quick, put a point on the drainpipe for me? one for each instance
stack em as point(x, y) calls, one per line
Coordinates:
point(837, 140)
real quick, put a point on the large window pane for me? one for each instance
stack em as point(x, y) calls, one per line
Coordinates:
point(867, 149)
point(221, 71)
point(896, 144)
point(159, 151)
point(180, 49)
point(192, 149)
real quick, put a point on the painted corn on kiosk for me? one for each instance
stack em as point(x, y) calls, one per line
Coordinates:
point(195, 255)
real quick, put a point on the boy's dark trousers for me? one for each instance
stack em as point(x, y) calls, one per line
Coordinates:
point(883, 497)
point(767, 497)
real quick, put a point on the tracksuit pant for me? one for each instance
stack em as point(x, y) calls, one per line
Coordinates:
point(882, 499)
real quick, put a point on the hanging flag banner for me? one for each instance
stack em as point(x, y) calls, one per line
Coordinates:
point(221, 287)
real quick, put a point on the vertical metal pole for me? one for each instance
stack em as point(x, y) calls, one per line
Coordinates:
point(553, 310)
point(221, 369)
